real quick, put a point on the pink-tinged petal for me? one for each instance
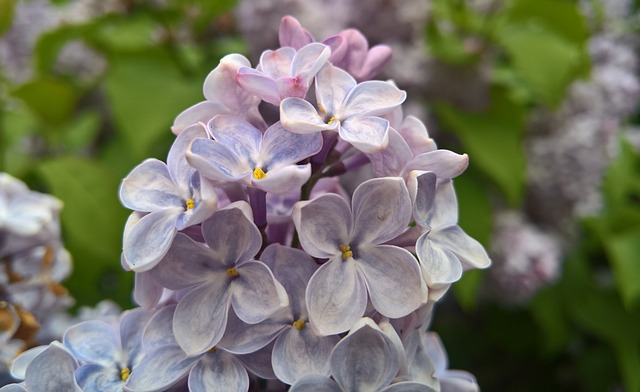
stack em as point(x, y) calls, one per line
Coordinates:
point(284, 179)
point(160, 370)
point(94, 342)
point(292, 87)
point(323, 224)
point(299, 116)
point(381, 210)
point(441, 266)
point(159, 329)
point(243, 338)
point(308, 61)
point(425, 195)
point(276, 63)
point(179, 169)
point(364, 360)
point(393, 279)
point(410, 386)
point(338, 47)
point(414, 132)
point(336, 296)
point(444, 212)
point(218, 162)
point(468, 250)
point(150, 239)
point(257, 295)
point(332, 86)
point(259, 84)
point(221, 87)
point(201, 112)
point(186, 264)
point(315, 383)
point(298, 353)
point(149, 187)
point(232, 235)
point(292, 34)
point(444, 163)
point(357, 48)
point(237, 135)
point(367, 134)
point(200, 318)
point(281, 147)
point(376, 59)
point(219, 372)
point(371, 98)
point(392, 160)
point(52, 370)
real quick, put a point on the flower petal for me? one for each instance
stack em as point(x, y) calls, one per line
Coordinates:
point(232, 235)
point(93, 377)
point(93, 341)
point(292, 34)
point(367, 134)
point(371, 98)
point(393, 279)
point(243, 338)
point(201, 112)
point(179, 169)
point(336, 296)
point(221, 87)
point(425, 194)
point(315, 383)
point(299, 116)
point(219, 372)
point(470, 252)
point(150, 239)
point(323, 224)
point(284, 179)
point(444, 163)
point(309, 60)
point(332, 86)
point(237, 135)
point(445, 207)
point(256, 293)
point(441, 266)
point(52, 370)
point(216, 161)
point(392, 160)
point(149, 187)
point(410, 386)
point(259, 84)
point(160, 369)
point(281, 147)
point(381, 210)
point(22, 361)
point(159, 330)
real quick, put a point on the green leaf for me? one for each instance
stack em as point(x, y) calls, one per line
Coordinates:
point(7, 8)
point(628, 358)
point(130, 34)
point(146, 91)
point(82, 131)
point(53, 100)
point(550, 315)
point(92, 221)
point(467, 289)
point(623, 251)
point(493, 140)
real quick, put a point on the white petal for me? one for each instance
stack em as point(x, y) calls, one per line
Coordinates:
point(470, 252)
point(281, 147)
point(371, 98)
point(367, 134)
point(160, 369)
point(179, 168)
point(284, 179)
point(150, 239)
point(441, 266)
point(299, 116)
point(444, 163)
point(201, 112)
point(149, 187)
point(332, 86)
point(315, 383)
point(216, 161)
point(93, 341)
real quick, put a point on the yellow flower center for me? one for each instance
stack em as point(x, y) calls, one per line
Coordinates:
point(346, 251)
point(259, 174)
point(232, 272)
point(125, 373)
point(190, 204)
point(299, 324)
point(332, 119)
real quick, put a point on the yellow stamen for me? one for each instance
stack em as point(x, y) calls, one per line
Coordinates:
point(125, 373)
point(346, 251)
point(212, 349)
point(190, 204)
point(259, 174)
point(6, 317)
point(299, 324)
point(332, 119)
point(232, 272)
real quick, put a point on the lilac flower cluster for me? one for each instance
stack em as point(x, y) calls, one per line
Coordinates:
point(251, 259)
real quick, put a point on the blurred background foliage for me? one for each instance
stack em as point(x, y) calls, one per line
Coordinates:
point(90, 91)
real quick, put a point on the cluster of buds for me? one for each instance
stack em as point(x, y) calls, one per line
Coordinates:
point(251, 259)
point(33, 262)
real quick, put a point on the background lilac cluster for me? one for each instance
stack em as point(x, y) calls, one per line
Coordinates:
point(253, 262)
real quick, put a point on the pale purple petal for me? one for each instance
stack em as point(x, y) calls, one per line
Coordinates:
point(259, 362)
point(315, 383)
point(149, 187)
point(364, 360)
point(132, 326)
point(409, 386)
point(93, 377)
point(259, 84)
point(332, 86)
point(424, 197)
point(221, 87)
point(284, 179)
point(444, 163)
point(308, 61)
point(22, 361)
point(232, 235)
point(414, 132)
point(159, 329)
point(150, 239)
point(219, 372)
point(299, 116)
point(393, 278)
point(256, 293)
point(187, 264)
point(298, 353)
point(323, 224)
point(441, 266)
point(336, 296)
point(160, 369)
point(468, 250)
point(444, 212)
point(458, 381)
point(371, 98)
point(277, 63)
point(367, 134)
point(392, 160)
point(14, 388)
point(281, 147)
point(292, 34)
point(377, 57)
point(179, 169)
point(93, 341)
point(201, 112)
point(381, 210)
point(243, 338)
point(52, 370)
point(200, 318)
point(205, 200)
point(237, 135)
point(218, 162)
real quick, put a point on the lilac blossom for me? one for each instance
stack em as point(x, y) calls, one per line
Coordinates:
point(241, 153)
point(347, 107)
point(284, 72)
point(219, 277)
point(174, 196)
point(352, 239)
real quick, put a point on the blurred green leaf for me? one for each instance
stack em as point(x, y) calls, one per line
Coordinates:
point(50, 43)
point(92, 221)
point(467, 289)
point(548, 311)
point(493, 140)
point(127, 34)
point(146, 92)
point(7, 8)
point(82, 131)
point(53, 100)
point(17, 124)
point(624, 253)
